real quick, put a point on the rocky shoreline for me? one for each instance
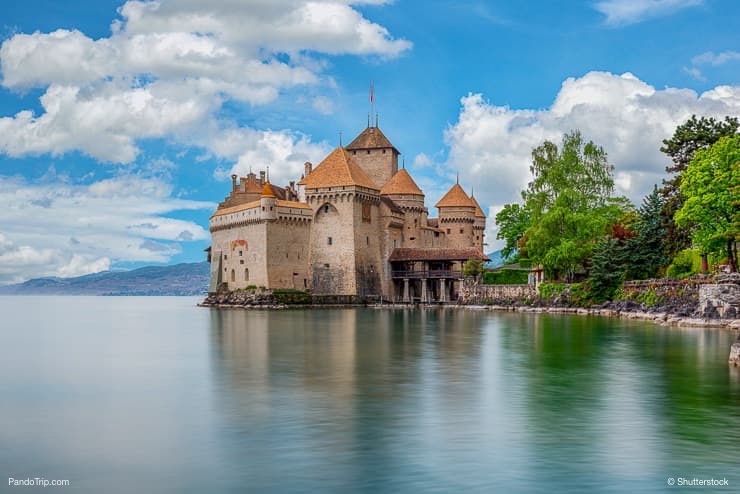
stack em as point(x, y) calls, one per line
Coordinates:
point(656, 316)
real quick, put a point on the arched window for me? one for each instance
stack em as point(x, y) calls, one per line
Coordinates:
point(233, 275)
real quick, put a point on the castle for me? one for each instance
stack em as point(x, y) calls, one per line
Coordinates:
point(354, 226)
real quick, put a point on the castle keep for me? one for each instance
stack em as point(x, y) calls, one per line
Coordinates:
point(353, 226)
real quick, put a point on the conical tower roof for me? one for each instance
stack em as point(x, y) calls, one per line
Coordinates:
point(478, 211)
point(371, 138)
point(455, 197)
point(267, 190)
point(338, 169)
point(401, 183)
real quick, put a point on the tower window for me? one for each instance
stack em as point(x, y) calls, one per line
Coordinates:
point(448, 231)
point(462, 230)
point(246, 274)
point(367, 239)
point(241, 253)
point(233, 275)
point(354, 152)
point(326, 208)
point(330, 241)
point(384, 151)
point(368, 151)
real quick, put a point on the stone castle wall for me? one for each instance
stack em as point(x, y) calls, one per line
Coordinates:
point(379, 164)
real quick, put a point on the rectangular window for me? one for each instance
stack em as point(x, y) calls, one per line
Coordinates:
point(462, 230)
point(241, 253)
point(326, 266)
point(448, 231)
point(330, 241)
point(367, 239)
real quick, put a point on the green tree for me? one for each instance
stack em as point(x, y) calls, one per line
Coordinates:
point(689, 137)
point(513, 220)
point(570, 203)
point(645, 251)
point(472, 267)
point(707, 185)
point(608, 267)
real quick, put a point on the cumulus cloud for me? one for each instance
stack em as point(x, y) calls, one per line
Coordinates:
point(623, 12)
point(59, 229)
point(168, 67)
point(491, 145)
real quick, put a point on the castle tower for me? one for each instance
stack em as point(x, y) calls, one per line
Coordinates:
point(268, 203)
point(375, 154)
point(404, 192)
point(457, 218)
point(479, 227)
point(345, 254)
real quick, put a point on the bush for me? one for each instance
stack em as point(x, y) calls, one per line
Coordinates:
point(686, 263)
point(547, 290)
point(580, 294)
point(289, 296)
point(506, 277)
point(472, 267)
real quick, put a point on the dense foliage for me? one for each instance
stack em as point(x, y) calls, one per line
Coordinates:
point(708, 184)
point(693, 135)
point(506, 277)
point(568, 205)
point(472, 267)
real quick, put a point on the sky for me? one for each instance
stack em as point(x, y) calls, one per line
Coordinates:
point(121, 121)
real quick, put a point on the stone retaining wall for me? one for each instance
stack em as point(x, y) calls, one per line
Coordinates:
point(476, 293)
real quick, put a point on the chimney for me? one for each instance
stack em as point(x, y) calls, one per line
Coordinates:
point(262, 177)
point(308, 168)
point(233, 183)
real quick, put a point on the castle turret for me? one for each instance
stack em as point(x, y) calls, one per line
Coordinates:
point(403, 191)
point(457, 218)
point(375, 154)
point(479, 227)
point(268, 203)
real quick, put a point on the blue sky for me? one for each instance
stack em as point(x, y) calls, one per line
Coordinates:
point(121, 121)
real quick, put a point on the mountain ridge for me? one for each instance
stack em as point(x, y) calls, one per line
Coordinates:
point(177, 279)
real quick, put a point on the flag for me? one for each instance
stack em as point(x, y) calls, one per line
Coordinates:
point(372, 93)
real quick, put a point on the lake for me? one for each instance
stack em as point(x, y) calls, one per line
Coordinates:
point(154, 394)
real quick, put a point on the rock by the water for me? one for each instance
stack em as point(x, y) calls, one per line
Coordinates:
point(735, 353)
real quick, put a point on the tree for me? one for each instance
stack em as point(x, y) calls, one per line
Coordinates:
point(689, 137)
point(570, 203)
point(513, 220)
point(645, 250)
point(608, 266)
point(707, 185)
point(472, 267)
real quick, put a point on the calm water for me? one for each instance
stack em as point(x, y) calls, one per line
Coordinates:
point(157, 395)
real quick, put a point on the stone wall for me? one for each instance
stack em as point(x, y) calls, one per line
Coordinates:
point(475, 293)
point(722, 298)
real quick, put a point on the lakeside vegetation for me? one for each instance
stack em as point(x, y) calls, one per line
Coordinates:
point(571, 222)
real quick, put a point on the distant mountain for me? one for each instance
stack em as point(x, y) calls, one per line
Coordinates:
point(180, 279)
point(496, 259)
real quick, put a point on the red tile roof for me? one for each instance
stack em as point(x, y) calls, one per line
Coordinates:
point(408, 254)
point(455, 197)
point(336, 170)
point(371, 138)
point(401, 183)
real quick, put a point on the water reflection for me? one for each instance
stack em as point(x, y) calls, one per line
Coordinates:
point(442, 400)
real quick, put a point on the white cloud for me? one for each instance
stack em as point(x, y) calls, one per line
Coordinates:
point(168, 67)
point(58, 229)
point(695, 73)
point(257, 149)
point(323, 105)
point(711, 58)
point(491, 145)
point(623, 12)
point(421, 160)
